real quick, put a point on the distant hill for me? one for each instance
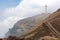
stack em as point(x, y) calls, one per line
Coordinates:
point(22, 26)
point(37, 26)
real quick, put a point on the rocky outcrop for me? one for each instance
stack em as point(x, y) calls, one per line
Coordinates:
point(37, 26)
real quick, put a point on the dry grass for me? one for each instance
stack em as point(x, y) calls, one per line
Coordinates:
point(48, 38)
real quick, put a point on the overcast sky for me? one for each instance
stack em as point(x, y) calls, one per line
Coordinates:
point(13, 10)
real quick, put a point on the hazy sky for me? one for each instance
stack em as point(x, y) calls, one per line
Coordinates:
point(13, 10)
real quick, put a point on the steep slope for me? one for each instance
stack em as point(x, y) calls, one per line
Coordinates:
point(23, 26)
point(37, 26)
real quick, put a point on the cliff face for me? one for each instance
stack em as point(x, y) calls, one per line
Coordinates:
point(22, 27)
